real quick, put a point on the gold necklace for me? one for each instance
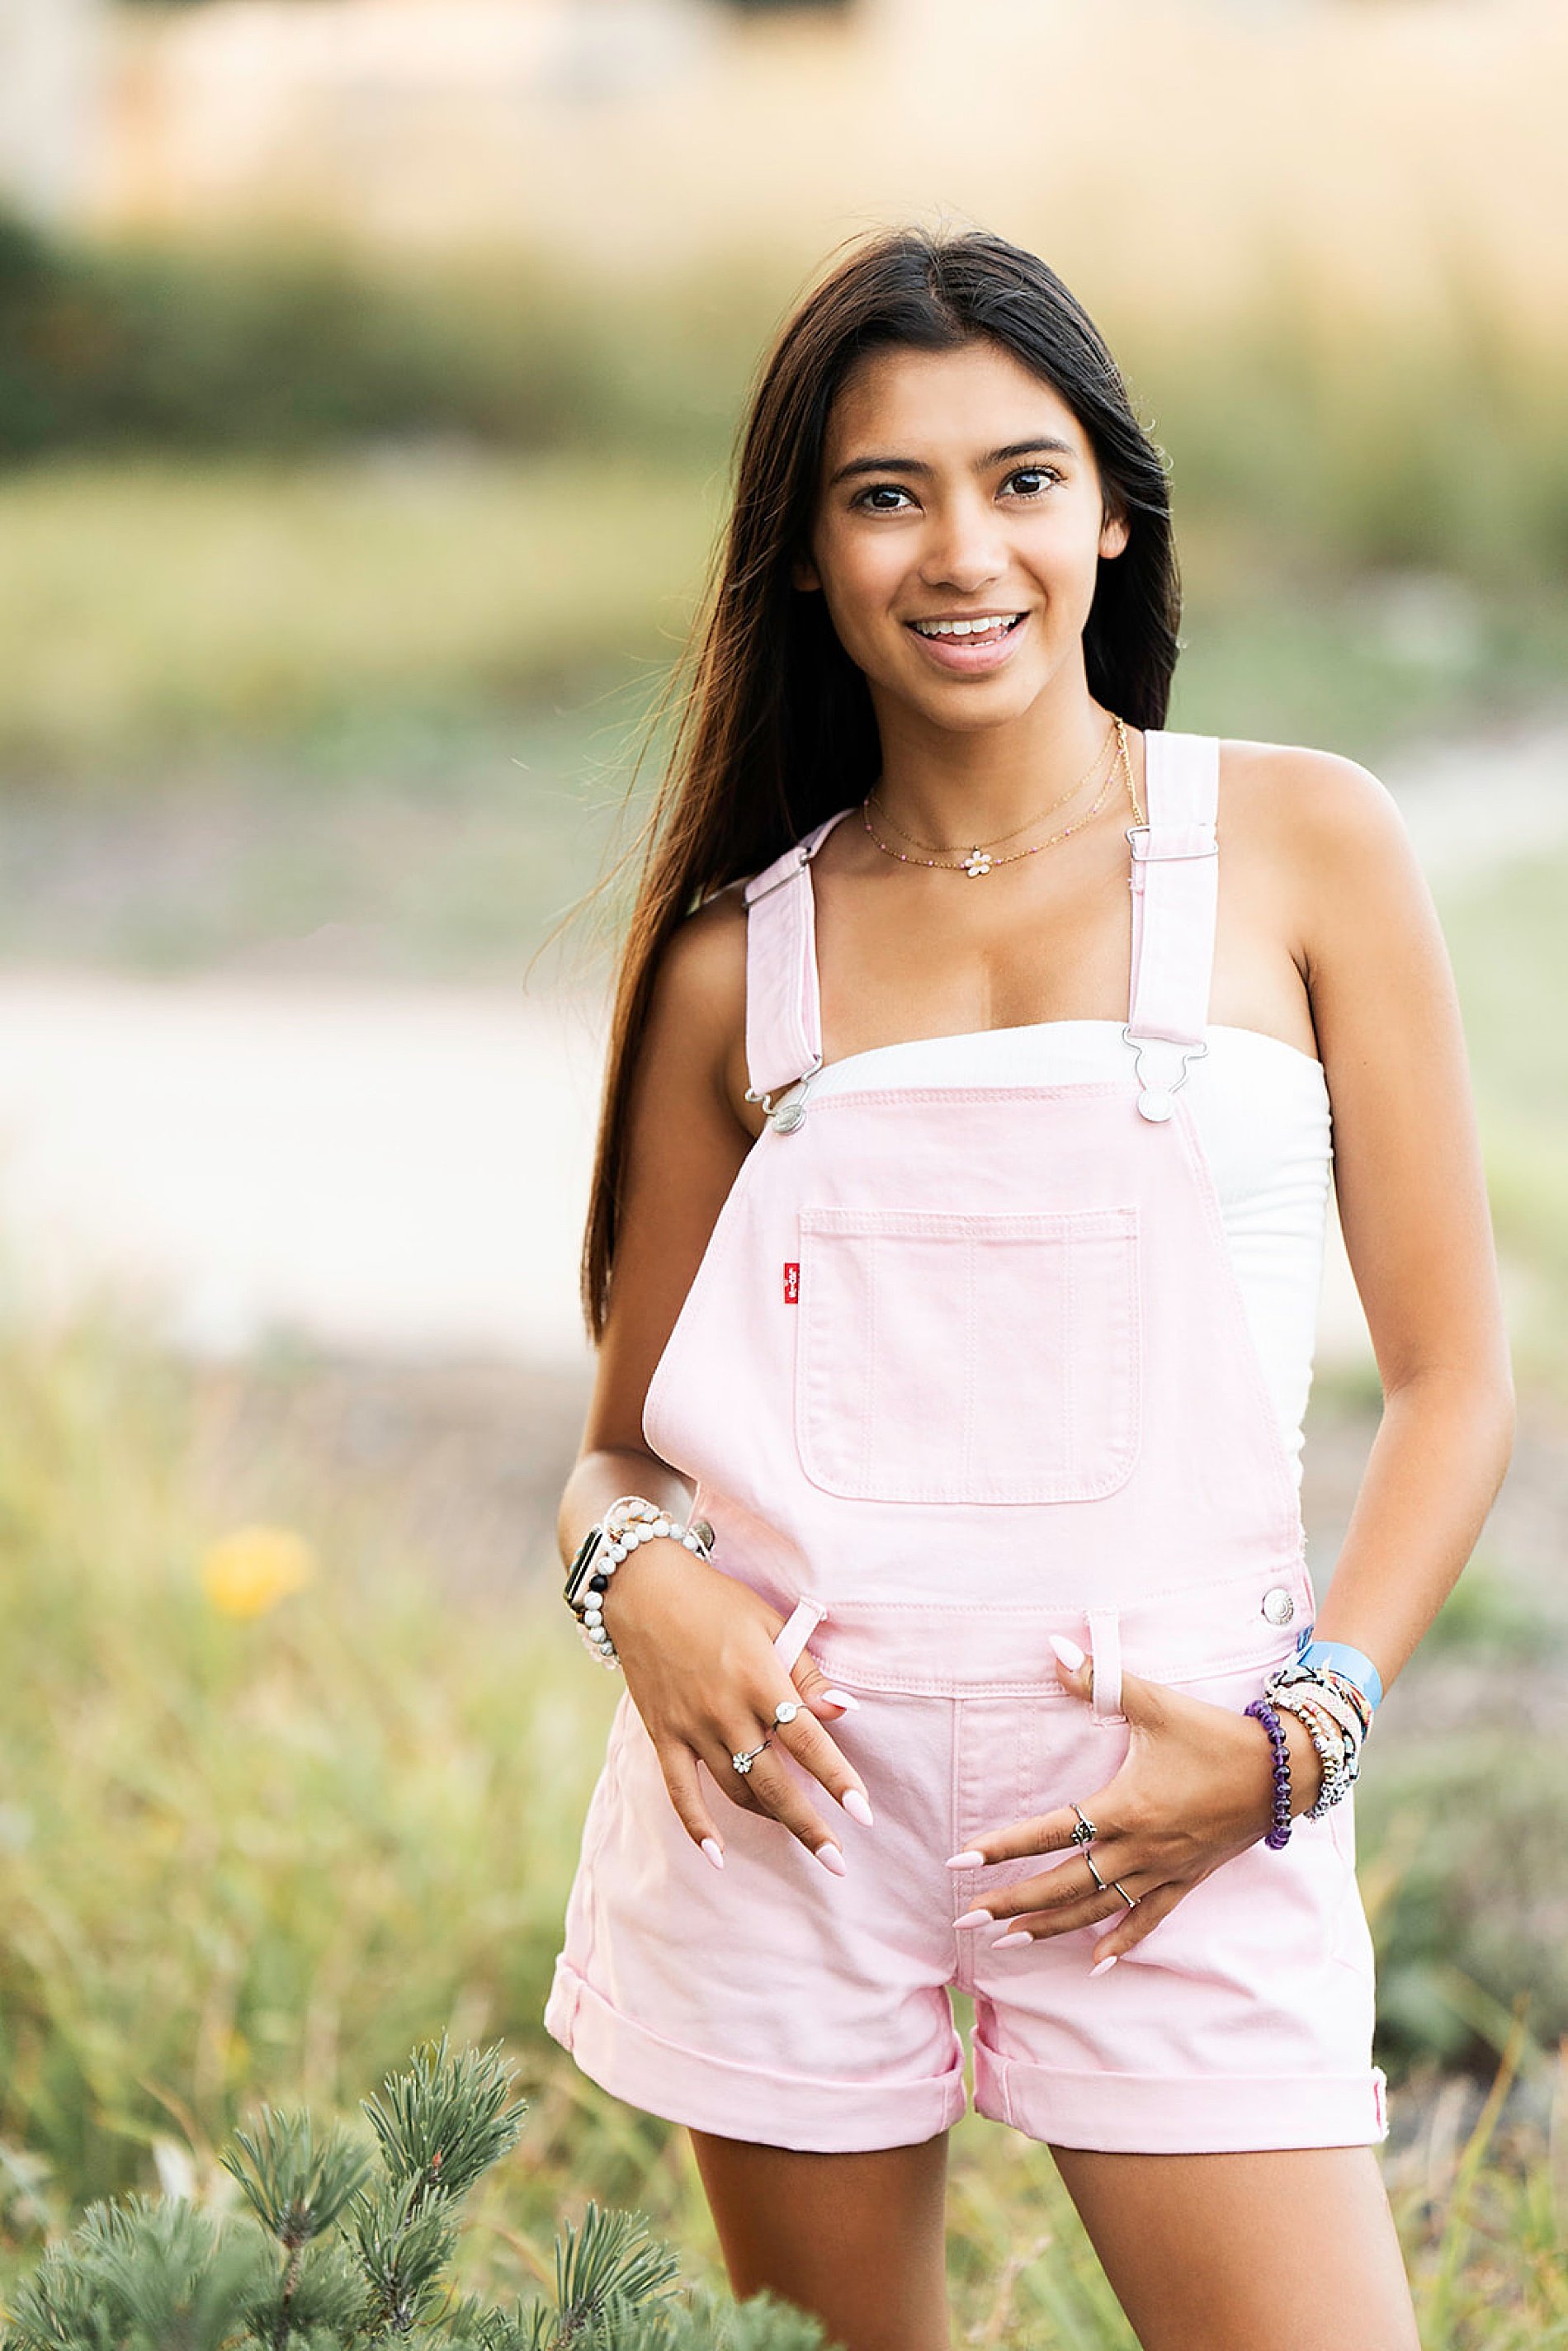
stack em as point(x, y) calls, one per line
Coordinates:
point(978, 861)
point(1138, 816)
point(1027, 825)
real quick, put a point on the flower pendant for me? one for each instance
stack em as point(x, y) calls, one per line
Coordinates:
point(977, 862)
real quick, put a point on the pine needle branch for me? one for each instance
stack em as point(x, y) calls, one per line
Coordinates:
point(446, 2119)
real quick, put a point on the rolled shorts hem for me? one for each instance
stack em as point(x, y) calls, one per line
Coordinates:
point(1137, 2114)
point(820, 2116)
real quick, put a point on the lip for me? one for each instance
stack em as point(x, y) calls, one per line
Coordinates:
point(958, 657)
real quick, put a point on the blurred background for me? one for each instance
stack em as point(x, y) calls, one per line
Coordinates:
point(368, 376)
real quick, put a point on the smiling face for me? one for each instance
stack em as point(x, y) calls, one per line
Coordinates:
point(959, 522)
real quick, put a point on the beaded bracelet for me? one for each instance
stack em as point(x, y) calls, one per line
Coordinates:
point(1335, 1687)
point(631, 1520)
point(1336, 1714)
point(1328, 1738)
point(1280, 1834)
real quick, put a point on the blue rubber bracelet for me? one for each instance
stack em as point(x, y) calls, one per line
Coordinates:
point(1353, 1663)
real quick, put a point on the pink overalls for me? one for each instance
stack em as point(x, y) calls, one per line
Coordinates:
point(964, 1366)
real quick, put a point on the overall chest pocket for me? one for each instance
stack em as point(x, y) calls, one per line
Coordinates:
point(949, 1357)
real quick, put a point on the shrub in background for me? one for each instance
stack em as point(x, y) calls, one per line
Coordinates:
point(289, 349)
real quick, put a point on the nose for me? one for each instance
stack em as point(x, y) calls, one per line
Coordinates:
point(965, 551)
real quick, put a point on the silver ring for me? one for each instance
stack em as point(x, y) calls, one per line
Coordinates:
point(786, 1710)
point(1086, 1829)
point(746, 1758)
point(1093, 1872)
point(1130, 1899)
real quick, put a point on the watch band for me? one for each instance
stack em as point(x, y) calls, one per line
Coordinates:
point(1353, 1663)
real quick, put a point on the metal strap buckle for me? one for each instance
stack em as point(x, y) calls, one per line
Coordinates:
point(1154, 1099)
point(785, 1114)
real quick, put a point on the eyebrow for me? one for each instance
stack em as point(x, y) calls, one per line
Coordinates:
point(915, 466)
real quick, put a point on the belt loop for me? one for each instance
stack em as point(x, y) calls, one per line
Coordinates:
point(1105, 1649)
point(792, 1637)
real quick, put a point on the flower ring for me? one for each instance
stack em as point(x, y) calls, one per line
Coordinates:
point(1085, 1829)
point(744, 1760)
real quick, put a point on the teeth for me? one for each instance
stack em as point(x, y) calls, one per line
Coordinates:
point(1001, 620)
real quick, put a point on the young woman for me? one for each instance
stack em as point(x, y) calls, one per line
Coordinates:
point(953, 1261)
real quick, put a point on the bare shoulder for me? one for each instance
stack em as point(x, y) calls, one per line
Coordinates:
point(704, 959)
point(1322, 835)
point(1319, 808)
point(696, 1015)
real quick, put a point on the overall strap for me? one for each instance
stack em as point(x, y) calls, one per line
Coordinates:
point(1175, 884)
point(783, 1007)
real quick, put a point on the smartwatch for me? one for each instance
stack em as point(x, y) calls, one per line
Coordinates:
point(579, 1573)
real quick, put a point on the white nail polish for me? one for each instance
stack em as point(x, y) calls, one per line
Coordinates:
point(1070, 1653)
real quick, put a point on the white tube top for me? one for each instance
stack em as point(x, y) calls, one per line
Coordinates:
point(1261, 1111)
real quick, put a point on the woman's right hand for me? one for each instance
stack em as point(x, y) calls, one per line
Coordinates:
point(696, 1650)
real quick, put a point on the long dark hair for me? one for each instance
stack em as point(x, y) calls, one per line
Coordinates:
point(775, 727)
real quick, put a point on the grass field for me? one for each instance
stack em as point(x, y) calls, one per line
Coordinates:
point(158, 618)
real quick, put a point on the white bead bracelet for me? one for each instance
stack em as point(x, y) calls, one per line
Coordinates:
point(629, 1520)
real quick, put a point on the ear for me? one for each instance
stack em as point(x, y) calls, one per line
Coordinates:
point(804, 574)
point(1113, 536)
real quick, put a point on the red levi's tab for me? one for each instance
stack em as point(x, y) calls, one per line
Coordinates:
point(792, 1284)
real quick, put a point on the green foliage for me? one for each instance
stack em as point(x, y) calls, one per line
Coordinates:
point(282, 349)
point(1467, 1836)
point(155, 2274)
point(240, 1855)
point(295, 2186)
point(361, 605)
point(1308, 441)
point(442, 2124)
point(1509, 945)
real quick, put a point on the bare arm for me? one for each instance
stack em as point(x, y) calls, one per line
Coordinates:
point(696, 1644)
point(685, 1147)
point(1413, 1208)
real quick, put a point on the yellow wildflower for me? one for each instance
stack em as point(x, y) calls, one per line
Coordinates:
point(248, 1571)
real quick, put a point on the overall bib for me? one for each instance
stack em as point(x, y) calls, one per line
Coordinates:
point(964, 1366)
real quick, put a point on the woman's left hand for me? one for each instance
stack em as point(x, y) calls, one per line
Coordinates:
point(1195, 1788)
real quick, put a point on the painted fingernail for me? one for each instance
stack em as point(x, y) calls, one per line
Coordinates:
point(855, 1804)
point(840, 1698)
point(831, 1858)
point(1010, 1942)
point(1070, 1653)
point(1109, 1960)
point(714, 1851)
point(977, 1918)
point(966, 1861)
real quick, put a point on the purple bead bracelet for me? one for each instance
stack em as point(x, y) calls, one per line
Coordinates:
point(1280, 1833)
